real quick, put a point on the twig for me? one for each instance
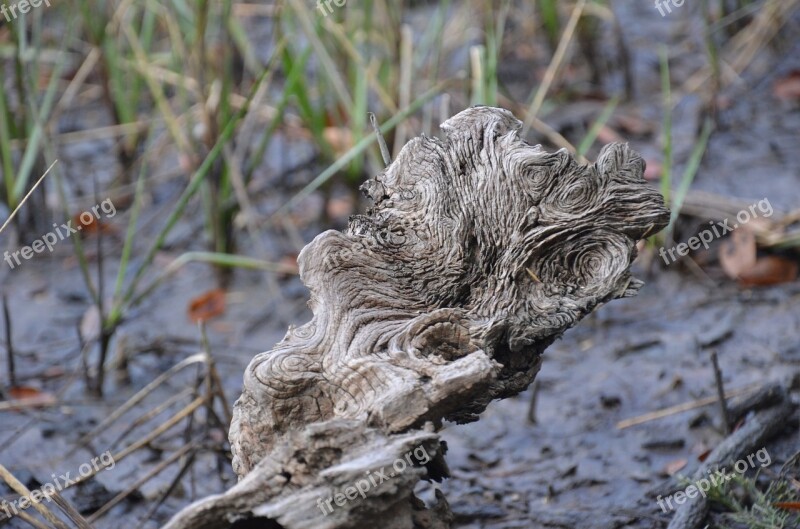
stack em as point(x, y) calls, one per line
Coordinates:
point(30, 520)
point(42, 401)
point(105, 332)
point(532, 407)
point(22, 490)
point(686, 406)
point(214, 384)
point(164, 495)
point(141, 481)
point(553, 67)
point(12, 376)
point(25, 198)
point(149, 415)
point(752, 436)
point(71, 512)
point(87, 377)
point(387, 158)
point(172, 421)
point(723, 407)
point(765, 397)
point(141, 394)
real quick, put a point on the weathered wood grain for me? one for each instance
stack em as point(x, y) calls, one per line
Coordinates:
point(480, 250)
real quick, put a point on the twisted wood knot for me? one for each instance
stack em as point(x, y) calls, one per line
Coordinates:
point(478, 252)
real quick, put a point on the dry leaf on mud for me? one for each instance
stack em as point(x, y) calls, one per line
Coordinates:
point(207, 306)
point(737, 253)
point(653, 170)
point(89, 224)
point(340, 207)
point(787, 88)
point(339, 138)
point(769, 270)
point(28, 396)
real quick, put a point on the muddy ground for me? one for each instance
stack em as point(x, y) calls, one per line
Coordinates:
point(573, 467)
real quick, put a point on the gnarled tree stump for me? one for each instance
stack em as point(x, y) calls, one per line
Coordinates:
point(479, 252)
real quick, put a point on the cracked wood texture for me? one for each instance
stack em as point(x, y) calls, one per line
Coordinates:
point(479, 251)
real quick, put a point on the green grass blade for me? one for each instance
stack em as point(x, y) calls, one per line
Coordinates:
point(5, 150)
point(358, 148)
point(39, 116)
point(129, 240)
point(328, 65)
point(192, 187)
point(597, 126)
point(214, 258)
point(689, 173)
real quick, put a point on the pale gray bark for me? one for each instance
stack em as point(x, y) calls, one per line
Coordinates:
point(479, 252)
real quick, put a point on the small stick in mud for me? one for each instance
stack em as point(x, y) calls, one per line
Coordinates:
point(12, 375)
point(723, 406)
point(680, 408)
point(532, 406)
point(387, 158)
point(17, 486)
point(758, 429)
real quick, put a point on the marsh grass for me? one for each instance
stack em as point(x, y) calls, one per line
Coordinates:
point(187, 81)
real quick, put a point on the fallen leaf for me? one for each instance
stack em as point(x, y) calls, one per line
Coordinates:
point(769, 270)
point(673, 467)
point(24, 392)
point(333, 115)
point(788, 88)
point(737, 252)
point(653, 170)
point(340, 207)
point(207, 306)
point(702, 457)
point(339, 138)
point(88, 223)
point(27, 396)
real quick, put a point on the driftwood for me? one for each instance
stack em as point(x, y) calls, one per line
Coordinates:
point(479, 252)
